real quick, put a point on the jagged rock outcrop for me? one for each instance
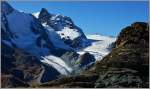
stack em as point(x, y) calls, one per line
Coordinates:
point(86, 60)
point(131, 49)
point(6, 8)
point(44, 16)
point(131, 52)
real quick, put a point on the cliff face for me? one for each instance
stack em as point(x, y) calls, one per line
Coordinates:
point(126, 66)
point(128, 60)
point(131, 49)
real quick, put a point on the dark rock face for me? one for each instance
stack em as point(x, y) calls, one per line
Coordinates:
point(137, 33)
point(76, 43)
point(131, 48)
point(6, 8)
point(86, 60)
point(6, 33)
point(86, 81)
point(9, 80)
point(17, 64)
point(116, 78)
point(49, 74)
point(55, 21)
point(21, 66)
point(44, 16)
point(70, 57)
point(127, 66)
point(37, 28)
point(131, 52)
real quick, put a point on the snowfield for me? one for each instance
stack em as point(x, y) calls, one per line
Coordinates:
point(58, 64)
point(36, 14)
point(55, 38)
point(69, 33)
point(99, 46)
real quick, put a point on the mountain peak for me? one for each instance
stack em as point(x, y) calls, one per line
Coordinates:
point(6, 8)
point(136, 33)
point(139, 25)
point(44, 10)
point(44, 15)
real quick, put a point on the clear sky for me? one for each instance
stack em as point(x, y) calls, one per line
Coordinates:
point(107, 18)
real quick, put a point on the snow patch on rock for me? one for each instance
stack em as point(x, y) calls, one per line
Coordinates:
point(58, 64)
point(36, 14)
point(69, 33)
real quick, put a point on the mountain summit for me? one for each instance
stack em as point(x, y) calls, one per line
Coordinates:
point(64, 27)
point(6, 8)
point(44, 15)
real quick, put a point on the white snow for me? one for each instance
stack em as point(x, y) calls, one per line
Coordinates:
point(58, 64)
point(55, 17)
point(36, 14)
point(68, 32)
point(55, 38)
point(99, 46)
point(45, 24)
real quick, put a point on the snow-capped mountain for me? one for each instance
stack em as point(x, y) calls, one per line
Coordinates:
point(55, 43)
point(64, 26)
point(23, 31)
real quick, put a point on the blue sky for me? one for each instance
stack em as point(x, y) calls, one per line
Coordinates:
point(107, 18)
